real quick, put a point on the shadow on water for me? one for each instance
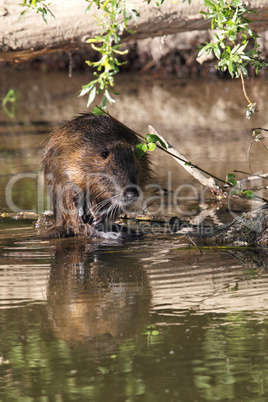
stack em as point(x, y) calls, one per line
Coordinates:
point(148, 320)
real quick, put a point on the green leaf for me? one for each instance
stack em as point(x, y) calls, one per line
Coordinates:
point(91, 96)
point(244, 71)
point(210, 3)
point(244, 57)
point(154, 138)
point(10, 99)
point(234, 192)
point(22, 13)
point(235, 49)
point(104, 102)
point(236, 3)
point(230, 176)
point(140, 149)
point(108, 96)
point(249, 194)
point(84, 90)
point(241, 49)
point(230, 179)
point(151, 146)
point(217, 52)
point(233, 182)
point(95, 40)
point(232, 36)
point(103, 370)
point(162, 144)
point(230, 68)
point(207, 48)
point(88, 9)
point(97, 111)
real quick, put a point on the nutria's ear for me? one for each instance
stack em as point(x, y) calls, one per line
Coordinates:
point(105, 153)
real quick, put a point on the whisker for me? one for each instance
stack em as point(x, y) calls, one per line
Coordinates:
point(104, 204)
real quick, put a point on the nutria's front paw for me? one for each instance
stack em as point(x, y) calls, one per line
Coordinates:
point(115, 232)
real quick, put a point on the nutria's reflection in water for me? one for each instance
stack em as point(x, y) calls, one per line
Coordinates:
point(92, 303)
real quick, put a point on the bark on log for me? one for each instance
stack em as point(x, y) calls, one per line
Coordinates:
point(249, 230)
point(30, 36)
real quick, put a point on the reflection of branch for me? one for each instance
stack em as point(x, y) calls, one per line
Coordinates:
point(183, 161)
point(249, 149)
point(194, 243)
point(209, 211)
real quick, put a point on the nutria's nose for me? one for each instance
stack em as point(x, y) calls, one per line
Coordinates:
point(130, 194)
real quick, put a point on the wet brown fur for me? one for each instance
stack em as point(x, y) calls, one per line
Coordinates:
point(88, 162)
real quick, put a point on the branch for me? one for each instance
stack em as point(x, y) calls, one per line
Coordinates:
point(209, 182)
point(251, 178)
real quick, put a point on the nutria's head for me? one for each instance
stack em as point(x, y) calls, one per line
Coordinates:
point(94, 158)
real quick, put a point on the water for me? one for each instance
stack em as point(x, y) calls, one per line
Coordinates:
point(148, 320)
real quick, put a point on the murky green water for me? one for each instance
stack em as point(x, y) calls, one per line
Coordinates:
point(148, 320)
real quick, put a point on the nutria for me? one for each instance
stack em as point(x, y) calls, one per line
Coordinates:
point(92, 174)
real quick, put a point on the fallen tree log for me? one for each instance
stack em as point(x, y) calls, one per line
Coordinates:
point(28, 37)
point(249, 230)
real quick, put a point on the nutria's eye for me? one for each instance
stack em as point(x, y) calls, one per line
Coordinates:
point(105, 153)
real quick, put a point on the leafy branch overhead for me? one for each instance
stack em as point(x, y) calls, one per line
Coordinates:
point(113, 22)
point(235, 44)
point(41, 6)
point(231, 45)
point(233, 37)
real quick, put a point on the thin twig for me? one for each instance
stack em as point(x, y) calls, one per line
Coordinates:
point(70, 64)
point(252, 174)
point(243, 86)
point(259, 128)
point(264, 146)
point(194, 243)
point(249, 149)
